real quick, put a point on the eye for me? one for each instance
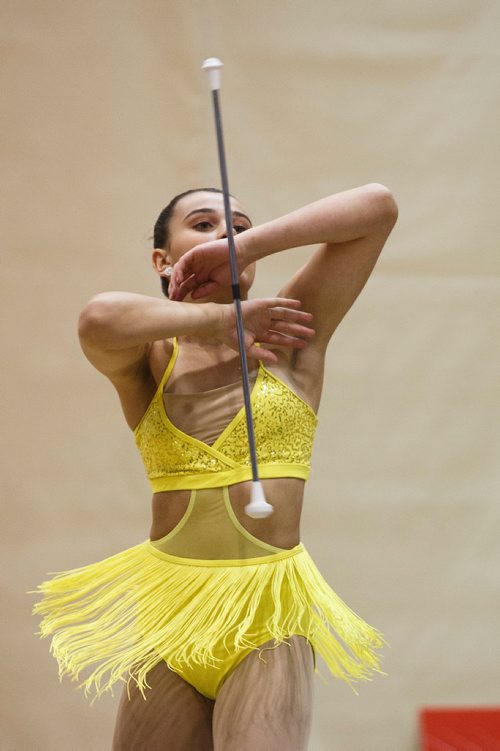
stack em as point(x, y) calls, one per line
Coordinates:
point(240, 228)
point(203, 226)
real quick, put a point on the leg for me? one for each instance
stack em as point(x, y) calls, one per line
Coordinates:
point(174, 717)
point(267, 705)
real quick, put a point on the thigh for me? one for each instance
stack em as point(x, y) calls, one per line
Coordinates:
point(266, 703)
point(174, 716)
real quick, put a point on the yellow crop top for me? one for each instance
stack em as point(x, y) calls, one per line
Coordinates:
point(284, 426)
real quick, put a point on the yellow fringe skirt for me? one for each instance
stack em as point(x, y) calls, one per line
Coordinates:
point(114, 620)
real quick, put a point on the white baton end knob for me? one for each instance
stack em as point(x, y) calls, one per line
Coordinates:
point(213, 65)
point(258, 508)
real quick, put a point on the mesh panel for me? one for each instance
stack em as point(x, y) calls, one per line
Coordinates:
point(209, 530)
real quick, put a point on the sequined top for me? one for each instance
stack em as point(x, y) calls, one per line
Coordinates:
point(284, 426)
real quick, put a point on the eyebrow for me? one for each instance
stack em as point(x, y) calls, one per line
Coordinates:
point(213, 211)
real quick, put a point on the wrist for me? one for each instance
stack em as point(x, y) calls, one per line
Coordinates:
point(246, 248)
point(209, 319)
point(224, 320)
point(263, 240)
point(213, 318)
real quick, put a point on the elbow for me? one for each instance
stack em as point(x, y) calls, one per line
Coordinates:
point(96, 319)
point(384, 204)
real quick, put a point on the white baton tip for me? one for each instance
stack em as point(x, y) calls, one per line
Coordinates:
point(258, 508)
point(213, 65)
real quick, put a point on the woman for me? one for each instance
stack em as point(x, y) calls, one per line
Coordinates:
point(215, 622)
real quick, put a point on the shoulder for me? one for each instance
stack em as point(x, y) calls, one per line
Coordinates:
point(135, 379)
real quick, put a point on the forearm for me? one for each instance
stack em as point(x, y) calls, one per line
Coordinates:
point(122, 320)
point(336, 219)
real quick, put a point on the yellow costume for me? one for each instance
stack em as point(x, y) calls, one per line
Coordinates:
point(208, 593)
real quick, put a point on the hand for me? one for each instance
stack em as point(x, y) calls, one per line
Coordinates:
point(275, 321)
point(202, 270)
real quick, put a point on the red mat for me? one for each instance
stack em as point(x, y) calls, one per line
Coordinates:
point(460, 729)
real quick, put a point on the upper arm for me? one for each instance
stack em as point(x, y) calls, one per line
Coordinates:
point(113, 363)
point(329, 283)
point(128, 369)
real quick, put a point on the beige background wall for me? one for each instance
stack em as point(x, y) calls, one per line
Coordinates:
point(105, 116)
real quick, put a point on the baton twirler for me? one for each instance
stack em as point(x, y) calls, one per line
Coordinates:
point(258, 508)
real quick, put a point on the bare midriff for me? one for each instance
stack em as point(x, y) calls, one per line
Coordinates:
point(281, 529)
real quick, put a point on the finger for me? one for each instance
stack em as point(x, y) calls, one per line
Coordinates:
point(293, 329)
point(204, 289)
point(183, 289)
point(285, 302)
point(289, 311)
point(280, 313)
point(178, 273)
point(182, 271)
point(282, 340)
point(262, 353)
point(180, 290)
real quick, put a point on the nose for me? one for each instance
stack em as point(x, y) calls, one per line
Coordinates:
point(223, 231)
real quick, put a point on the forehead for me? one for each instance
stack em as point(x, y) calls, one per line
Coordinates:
point(203, 200)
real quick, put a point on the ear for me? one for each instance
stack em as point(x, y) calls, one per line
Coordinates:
point(161, 260)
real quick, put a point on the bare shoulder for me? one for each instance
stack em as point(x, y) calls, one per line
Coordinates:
point(135, 375)
point(117, 337)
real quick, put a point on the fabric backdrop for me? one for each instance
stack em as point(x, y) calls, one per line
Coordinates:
point(106, 115)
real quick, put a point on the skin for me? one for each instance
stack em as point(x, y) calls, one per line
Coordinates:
point(129, 339)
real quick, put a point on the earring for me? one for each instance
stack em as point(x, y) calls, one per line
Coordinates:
point(167, 272)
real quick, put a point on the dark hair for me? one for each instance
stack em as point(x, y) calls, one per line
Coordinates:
point(160, 232)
